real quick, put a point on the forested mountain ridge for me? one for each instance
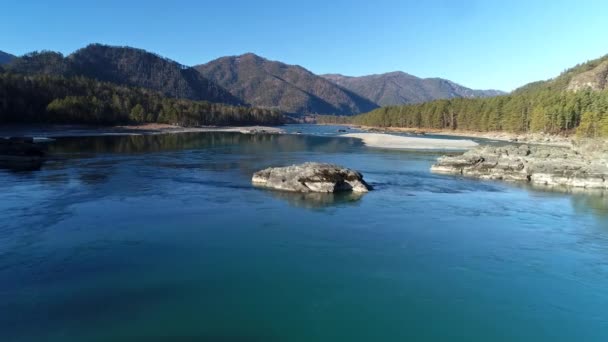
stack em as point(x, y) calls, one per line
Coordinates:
point(5, 57)
point(291, 88)
point(575, 101)
point(246, 79)
point(397, 88)
point(46, 99)
point(125, 66)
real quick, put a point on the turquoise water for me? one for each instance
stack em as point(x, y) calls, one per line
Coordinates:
point(162, 238)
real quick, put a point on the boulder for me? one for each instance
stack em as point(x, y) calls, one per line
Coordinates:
point(311, 177)
point(538, 165)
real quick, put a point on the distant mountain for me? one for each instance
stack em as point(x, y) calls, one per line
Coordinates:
point(246, 79)
point(291, 88)
point(398, 88)
point(126, 66)
point(5, 57)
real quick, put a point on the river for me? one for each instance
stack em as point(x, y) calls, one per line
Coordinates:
point(163, 238)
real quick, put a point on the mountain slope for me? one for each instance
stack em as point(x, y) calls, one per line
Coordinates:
point(556, 106)
point(126, 66)
point(45, 99)
point(596, 78)
point(5, 57)
point(397, 88)
point(591, 75)
point(293, 89)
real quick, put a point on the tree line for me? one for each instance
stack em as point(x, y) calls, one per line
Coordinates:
point(549, 109)
point(79, 100)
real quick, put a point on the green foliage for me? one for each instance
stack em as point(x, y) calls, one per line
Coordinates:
point(538, 109)
point(546, 106)
point(593, 125)
point(138, 113)
point(55, 99)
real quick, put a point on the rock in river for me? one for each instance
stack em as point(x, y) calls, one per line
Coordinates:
point(311, 177)
point(539, 165)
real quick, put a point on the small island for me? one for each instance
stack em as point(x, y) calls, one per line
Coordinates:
point(311, 177)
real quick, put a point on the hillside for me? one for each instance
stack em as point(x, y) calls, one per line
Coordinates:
point(397, 88)
point(575, 101)
point(44, 99)
point(125, 66)
point(591, 75)
point(291, 88)
point(5, 57)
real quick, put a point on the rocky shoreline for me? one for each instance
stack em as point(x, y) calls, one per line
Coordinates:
point(581, 166)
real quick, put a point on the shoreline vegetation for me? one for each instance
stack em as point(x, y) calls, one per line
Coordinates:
point(44, 99)
point(53, 131)
point(573, 103)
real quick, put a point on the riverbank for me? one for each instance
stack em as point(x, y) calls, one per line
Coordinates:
point(584, 165)
point(51, 131)
point(528, 138)
point(389, 141)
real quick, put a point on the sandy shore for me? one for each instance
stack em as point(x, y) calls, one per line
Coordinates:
point(148, 129)
point(529, 138)
point(411, 143)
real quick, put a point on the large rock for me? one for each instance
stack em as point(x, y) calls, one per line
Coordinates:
point(311, 177)
point(539, 165)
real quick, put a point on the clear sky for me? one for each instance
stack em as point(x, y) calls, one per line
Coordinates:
point(480, 44)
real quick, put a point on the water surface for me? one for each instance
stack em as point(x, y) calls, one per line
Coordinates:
point(162, 238)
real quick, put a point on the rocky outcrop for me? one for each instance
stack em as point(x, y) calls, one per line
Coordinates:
point(311, 177)
point(594, 79)
point(538, 165)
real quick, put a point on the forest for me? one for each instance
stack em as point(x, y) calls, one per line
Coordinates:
point(78, 100)
point(546, 106)
point(584, 112)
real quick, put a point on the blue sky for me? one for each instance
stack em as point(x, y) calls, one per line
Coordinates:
point(480, 44)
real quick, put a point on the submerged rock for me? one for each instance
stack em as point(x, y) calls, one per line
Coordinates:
point(311, 177)
point(538, 165)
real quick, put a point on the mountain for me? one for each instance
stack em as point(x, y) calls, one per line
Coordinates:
point(291, 88)
point(397, 88)
point(126, 66)
point(5, 57)
point(592, 75)
point(576, 101)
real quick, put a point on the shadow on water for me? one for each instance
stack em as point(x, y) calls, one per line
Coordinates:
point(22, 167)
point(317, 201)
point(195, 141)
